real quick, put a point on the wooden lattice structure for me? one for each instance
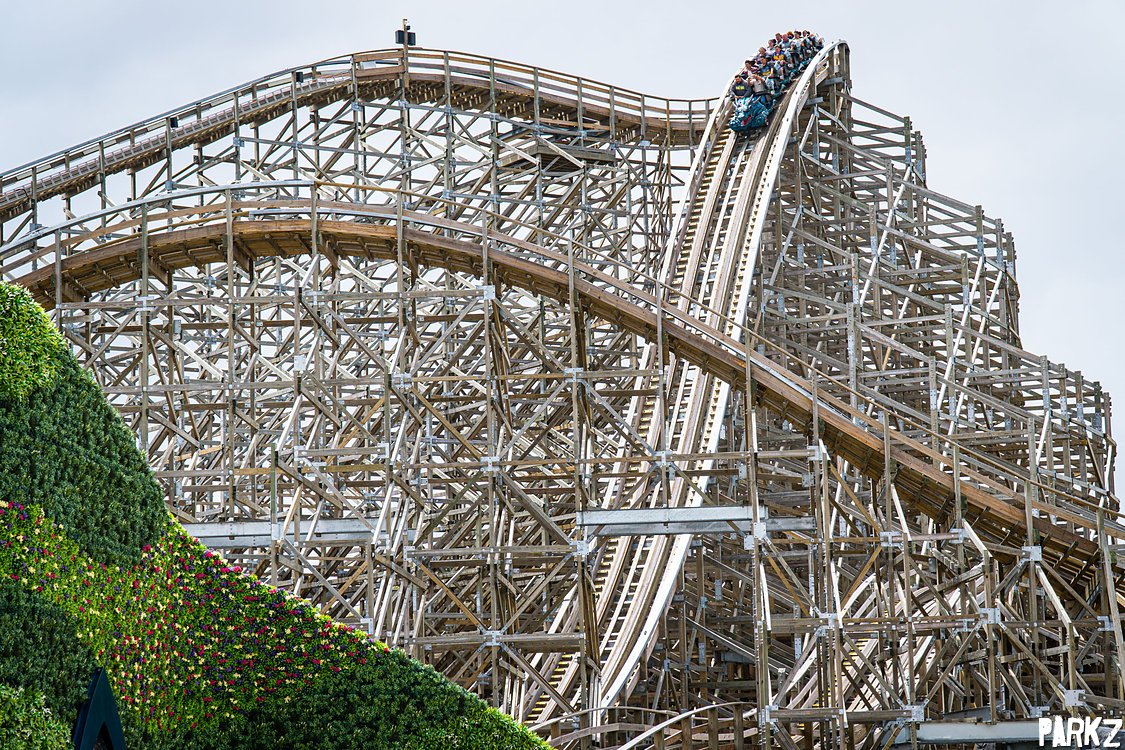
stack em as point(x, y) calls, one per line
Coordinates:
point(643, 431)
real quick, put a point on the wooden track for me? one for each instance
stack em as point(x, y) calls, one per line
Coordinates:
point(922, 476)
point(523, 92)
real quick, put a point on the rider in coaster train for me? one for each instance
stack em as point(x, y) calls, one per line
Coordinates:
point(758, 85)
point(741, 85)
point(740, 88)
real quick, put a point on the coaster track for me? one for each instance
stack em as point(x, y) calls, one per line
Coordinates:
point(413, 333)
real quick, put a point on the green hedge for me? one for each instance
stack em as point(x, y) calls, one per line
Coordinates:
point(199, 654)
point(26, 723)
point(202, 656)
point(394, 703)
point(29, 345)
point(40, 650)
point(66, 450)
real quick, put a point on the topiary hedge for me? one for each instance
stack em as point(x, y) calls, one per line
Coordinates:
point(63, 447)
point(30, 347)
point(199, 654)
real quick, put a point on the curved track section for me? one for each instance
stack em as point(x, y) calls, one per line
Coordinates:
point(720, 240)
point(521, 90)
point(395, 330)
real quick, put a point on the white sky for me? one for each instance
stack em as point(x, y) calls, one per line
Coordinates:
point(1019, 102)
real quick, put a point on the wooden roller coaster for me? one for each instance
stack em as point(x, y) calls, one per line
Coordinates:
point(648, 433)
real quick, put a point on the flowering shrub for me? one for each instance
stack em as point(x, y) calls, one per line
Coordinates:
point(27, 724)
point(199, 654)
point(195, 649)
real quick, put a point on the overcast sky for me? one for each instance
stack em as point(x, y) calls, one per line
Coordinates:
point(1019, 102)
